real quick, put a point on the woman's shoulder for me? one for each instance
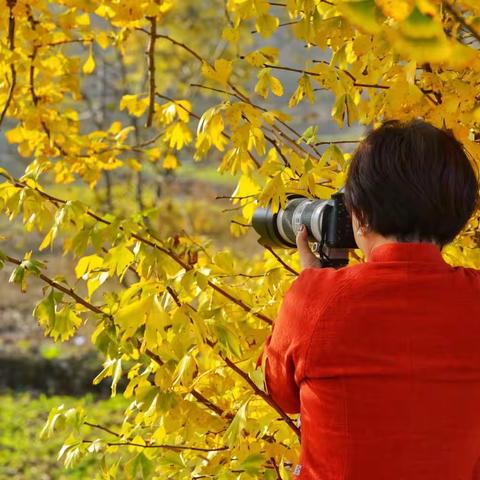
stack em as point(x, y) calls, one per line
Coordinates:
point(331, 280)
point(330, 273)
point(469, 273)
point(327, 281)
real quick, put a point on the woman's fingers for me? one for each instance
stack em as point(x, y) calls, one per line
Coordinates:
point(307, 258)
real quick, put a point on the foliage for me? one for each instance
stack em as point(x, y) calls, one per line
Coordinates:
point(189, 322)
point(24, 455)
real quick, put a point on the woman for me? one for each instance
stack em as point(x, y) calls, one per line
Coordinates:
point(382, 358)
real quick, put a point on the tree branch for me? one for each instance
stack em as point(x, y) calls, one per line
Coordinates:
point(261, 394)
point(11, 45)
point(193, 114)
point(151, 69)
point(166, 446)
point(69, 291)
point(238, 93)
point(288, 267)
point(453, 12)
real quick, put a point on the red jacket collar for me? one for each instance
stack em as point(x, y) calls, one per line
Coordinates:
point(407, 251)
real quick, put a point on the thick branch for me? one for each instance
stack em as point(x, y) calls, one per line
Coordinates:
point(69, 291)
point(157, 359)
point(11, 46)
point(151, 69)
point(238, 93)
point(262, 394)
point(93, 308)
point(56, 201)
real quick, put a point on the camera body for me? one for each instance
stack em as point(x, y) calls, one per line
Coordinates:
point(328, 223)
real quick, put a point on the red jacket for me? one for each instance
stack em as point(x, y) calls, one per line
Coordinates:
point(382, 361)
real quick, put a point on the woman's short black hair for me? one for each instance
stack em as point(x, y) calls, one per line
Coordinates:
point(413, 181)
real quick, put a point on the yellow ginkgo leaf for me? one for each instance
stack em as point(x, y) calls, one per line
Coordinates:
point(89, 65)
point(102, 39)
point(170, 162)
point(264, 55)
point(178, 135)
point(266, 25)
point(134, 105)
point(220, 72)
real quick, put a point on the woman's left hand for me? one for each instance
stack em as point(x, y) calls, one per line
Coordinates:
point(307, 258)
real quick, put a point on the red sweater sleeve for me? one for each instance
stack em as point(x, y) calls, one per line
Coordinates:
point(285, 348)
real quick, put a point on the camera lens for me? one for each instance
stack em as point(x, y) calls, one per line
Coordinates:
point(328, 225)
point(281, 228)
point(287, 220)
point(265, 224)
point(318, 217)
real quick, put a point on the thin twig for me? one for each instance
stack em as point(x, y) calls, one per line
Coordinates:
point(58, 286)
point(275, 466)
point(174, 256)
point(169, 447)
point(294, 22)
point(288, 267)
point(101, 427)
point(193, 114)
point(451, 9)
point(336, 142)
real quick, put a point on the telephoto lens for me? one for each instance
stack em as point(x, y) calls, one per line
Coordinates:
point(328, 223)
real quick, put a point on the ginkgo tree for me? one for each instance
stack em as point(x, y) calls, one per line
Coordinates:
point(169, 317)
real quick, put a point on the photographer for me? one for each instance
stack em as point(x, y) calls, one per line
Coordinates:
point(382, 358)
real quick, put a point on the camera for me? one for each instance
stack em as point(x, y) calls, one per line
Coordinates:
point(328, 224)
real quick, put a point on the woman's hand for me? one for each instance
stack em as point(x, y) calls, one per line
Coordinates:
point(307, 258)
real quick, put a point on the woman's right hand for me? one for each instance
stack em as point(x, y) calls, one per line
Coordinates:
point(307, 258)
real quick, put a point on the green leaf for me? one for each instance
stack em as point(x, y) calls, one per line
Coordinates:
point(118, 259)
point(18, 276)
point(253, 463)
point(4, 173)
point(338, 110)
point(117, 374)
point(182, 368)
point(55, 422)
point(418, 25)
point(58, 323)
point(228, 338)
point(232, 434)
point(140, 465)
point(133, 315)
point(309, 135)
point(258, 377)
point(362, 13)
point(88, 264)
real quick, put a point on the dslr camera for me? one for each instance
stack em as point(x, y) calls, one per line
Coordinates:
point(328, 223)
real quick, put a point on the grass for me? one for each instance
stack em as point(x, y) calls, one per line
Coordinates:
point(206, 173)
point(24, 456)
